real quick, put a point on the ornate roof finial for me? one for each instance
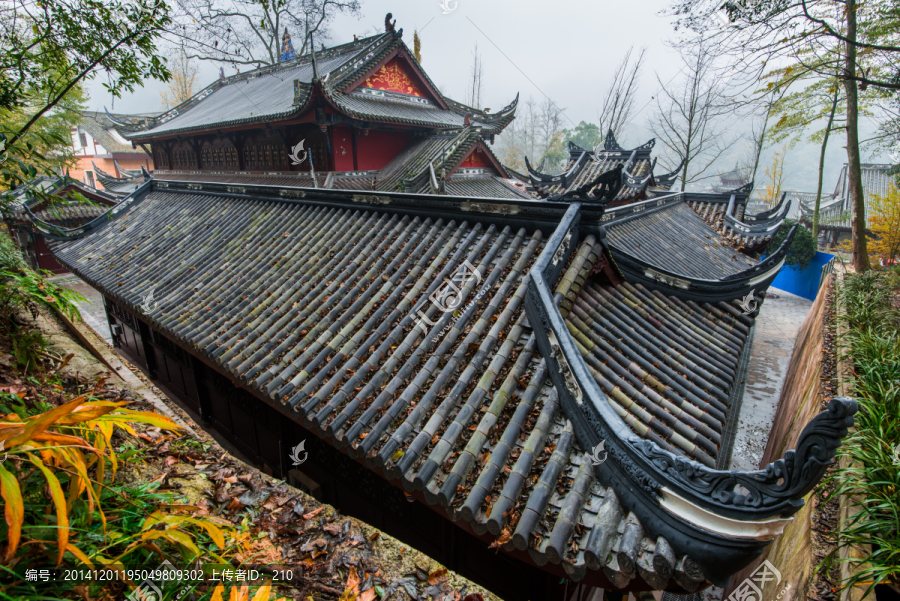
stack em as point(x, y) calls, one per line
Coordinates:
point(315, 65)
point(221, 72)
point(287, 47)
point(388, 26)
point(467, 120)
point(610, 142)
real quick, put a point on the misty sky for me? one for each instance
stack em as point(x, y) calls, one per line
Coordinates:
point(562, 49)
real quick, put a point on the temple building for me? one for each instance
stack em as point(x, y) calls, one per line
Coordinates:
point(101, 151)
point(535, 379)
point(56, 203)
point(361, 116)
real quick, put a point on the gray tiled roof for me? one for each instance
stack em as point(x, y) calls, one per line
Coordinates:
point(484, 187)
point(265, 95)
point(71, 212)
point(54, 186)
point(270, 94)
point(363, 105)
point(308, 314)
point(667, 366)
point(714, 213)
point(98, 125)
point(678, 240)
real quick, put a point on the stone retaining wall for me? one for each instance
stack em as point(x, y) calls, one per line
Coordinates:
point(800, 402)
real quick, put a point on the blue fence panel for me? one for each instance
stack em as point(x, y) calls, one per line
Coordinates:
point(805, 283)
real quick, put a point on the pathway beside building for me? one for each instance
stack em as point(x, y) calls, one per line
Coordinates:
point(92, 310)
point(777, 327)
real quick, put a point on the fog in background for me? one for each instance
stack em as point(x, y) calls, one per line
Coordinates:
point(565, 50)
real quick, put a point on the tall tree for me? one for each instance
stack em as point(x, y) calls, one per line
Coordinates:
point(687, 114)
point(535, 133)
point(840, 33)
point(48, 144)
point(859, 253)
point(617, 109)
point(249, 32)
point(183, 83)
point(885, 224)
point(586, 135)
point(775, 178)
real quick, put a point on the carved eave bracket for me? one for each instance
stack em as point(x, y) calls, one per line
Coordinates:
point(601, 189)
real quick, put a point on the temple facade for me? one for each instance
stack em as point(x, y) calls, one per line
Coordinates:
point(362, 116)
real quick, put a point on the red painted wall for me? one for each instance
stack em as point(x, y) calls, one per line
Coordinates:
point(478, 158)
point(342, 148)
point(396, 76)
point(376, 150)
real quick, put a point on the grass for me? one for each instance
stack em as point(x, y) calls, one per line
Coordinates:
point(871, 342)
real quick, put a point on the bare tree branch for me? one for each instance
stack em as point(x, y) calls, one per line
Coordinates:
point(686, 121)
point(617, 109)
point(248, 32)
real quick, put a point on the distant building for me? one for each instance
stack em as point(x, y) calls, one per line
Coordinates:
point(100, 149)
point(835, 209)
point(731, 180)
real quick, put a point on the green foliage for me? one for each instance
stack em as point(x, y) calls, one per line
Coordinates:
point(50, 47)
point(587, 135)
point(867, 298)
point(870, 474)
point(11, 258)
point(803, 248)
point(27, 348)
point(23, 289)
point(47, 146)
point(27, 289)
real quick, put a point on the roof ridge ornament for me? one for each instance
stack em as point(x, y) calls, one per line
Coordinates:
point(287, 48)
point(117, 121)
point(601, 190)
point(610, 143)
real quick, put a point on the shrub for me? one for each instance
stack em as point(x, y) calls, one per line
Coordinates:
point(871, 475)
point(803, 248)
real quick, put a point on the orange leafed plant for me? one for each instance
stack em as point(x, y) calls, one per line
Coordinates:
point(73, 438)
point(884, 221)
point(242, 593)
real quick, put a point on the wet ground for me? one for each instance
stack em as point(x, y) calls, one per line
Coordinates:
point(92, 310)
point(777, 327)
